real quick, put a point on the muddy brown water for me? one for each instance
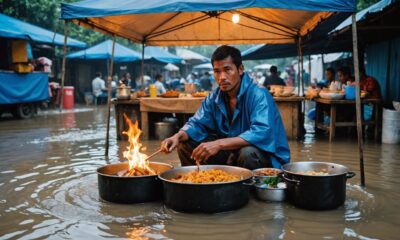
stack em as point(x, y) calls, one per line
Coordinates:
point(48, 190)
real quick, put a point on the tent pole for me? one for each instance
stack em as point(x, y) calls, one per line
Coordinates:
point(109, 90)
point(323, 64)
point(301, 70)
point(63, 64)
point(309, 69)
point(142, 67)
point(358, 100)
point(298, 64)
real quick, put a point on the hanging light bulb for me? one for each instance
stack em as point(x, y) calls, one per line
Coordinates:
point(235, 18)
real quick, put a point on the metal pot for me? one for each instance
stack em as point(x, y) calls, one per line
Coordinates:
point(164, 130)
point(120, 189)
point(208, 197)
point(266, 193)
point(123, 92)
point(316, 192)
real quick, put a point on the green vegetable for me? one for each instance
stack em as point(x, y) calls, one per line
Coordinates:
point(272, 182)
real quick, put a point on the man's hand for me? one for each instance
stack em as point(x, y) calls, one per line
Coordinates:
point(169, 144)
point(205, 150)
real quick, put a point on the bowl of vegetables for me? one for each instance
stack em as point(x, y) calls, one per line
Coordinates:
point(269, 185)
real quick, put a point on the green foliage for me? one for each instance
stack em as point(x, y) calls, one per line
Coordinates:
point(361, 4)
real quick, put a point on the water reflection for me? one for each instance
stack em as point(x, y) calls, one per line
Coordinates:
point(49, 190)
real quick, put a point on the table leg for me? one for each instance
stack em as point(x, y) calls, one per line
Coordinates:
point(145, 125)
point(332, 123)
point(376, 116)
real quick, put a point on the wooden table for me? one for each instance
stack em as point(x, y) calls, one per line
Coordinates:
point(292, 116)
point(188, 105)
point(132, 110)
point(334, 104)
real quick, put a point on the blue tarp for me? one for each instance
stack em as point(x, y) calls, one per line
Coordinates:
point(159, 55)
point(96, 8)
point(363, 14)
point(104, 51)
point(23, 88)
point(383, 63)
point(316, 42)
point(14, 28)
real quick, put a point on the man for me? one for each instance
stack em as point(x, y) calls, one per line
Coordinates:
point(237, 124)
point(329, 78)
point(273, 78)
point(159, 85)
point(98, 86)
point(205, 82)
point(344, 75)
point(370, 85)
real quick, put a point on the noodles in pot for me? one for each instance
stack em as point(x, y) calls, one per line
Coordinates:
point(206, 176)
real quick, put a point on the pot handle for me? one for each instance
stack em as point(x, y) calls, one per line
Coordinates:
point(251, 182)
point(297, 182)
point(350, 174)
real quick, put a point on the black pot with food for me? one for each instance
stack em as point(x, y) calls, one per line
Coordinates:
point(209, 197)
point(130, 189)
point(316, 185)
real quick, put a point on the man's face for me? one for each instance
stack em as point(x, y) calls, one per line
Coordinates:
point(227, 74)
point(329, 75)
point(342, 77)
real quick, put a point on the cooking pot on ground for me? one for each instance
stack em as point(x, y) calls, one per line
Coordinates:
point(206, 197)
point(316, 192)
point(134, 189)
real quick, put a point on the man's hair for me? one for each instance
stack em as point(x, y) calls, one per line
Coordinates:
point(273, 69)
point(125, 74)
point(345, 71)
point(331, 70)
point(225, 51)
point(98, 74)
point(158, 76)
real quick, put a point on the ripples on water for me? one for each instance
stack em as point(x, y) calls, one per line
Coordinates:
point(48, 189)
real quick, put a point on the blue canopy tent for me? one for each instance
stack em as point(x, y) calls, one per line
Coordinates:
point(13, 28)
point(159, 55)
point(103, 50)
point(196, 22)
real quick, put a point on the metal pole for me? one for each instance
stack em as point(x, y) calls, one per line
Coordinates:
point(109, 89)
point(358, 100)
point(301, 70)
point(309, 69)
point(142, 67)
point(63, 64)
point(299, 74)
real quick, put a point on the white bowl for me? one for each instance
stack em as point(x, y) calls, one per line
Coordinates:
point(331, 95)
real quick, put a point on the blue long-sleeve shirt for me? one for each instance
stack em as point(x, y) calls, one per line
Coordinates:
point(256, 119)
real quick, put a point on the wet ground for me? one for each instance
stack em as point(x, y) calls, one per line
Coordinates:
point(48, 190)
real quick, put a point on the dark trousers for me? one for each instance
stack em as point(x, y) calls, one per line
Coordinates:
point(248, 157)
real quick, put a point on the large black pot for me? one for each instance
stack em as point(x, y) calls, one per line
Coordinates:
point(316, 192)
point(120, 189)
point(207, 197)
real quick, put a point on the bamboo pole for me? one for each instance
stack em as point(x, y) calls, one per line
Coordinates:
point(142, 68)
point(358, 100)
point(309, 69)
point(63, 64)
point(109, 81)
point(299, 73)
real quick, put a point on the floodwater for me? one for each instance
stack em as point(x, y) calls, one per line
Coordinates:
point(48, 190)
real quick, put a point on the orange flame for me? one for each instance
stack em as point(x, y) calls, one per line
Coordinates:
point(138, 163)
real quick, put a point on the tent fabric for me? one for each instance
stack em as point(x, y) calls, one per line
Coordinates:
point(363, 14)
point(23, 88)
point(199, 22)
point(203, 66)
point(13, 28)
point(160, 55)
point(191, 57)
point(383, 64)
point(104, 51)
point(316, 42)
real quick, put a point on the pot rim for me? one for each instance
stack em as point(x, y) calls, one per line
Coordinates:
point(205, 184)
point(319, 176)
point(128, 177)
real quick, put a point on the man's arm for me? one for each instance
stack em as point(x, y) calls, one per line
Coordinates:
point(207, 149)
point(169, 144)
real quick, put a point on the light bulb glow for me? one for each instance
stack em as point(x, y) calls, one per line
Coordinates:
point(235, 18)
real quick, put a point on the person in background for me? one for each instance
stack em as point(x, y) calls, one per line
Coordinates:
point(329, 78)
point(205, 82)
point(273, 78)
point(126, 80)
point(159, 84)
point(370, 85)
point(344, 75)
point(99, 86)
